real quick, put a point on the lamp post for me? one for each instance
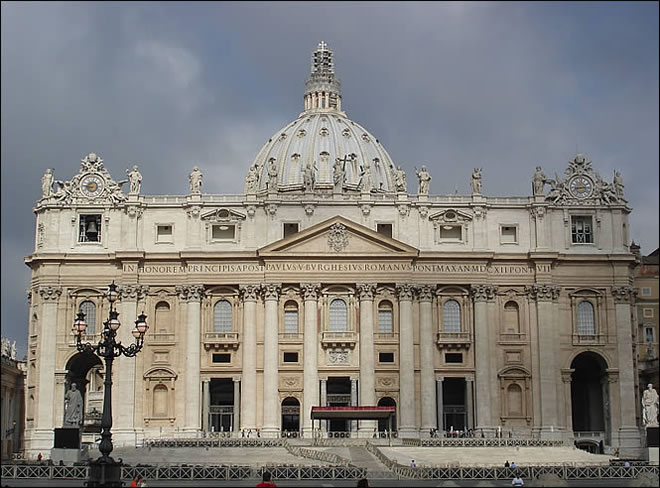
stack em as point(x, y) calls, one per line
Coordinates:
point(105, 471)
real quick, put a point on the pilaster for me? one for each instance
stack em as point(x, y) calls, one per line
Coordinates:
point(366, 293)
point(310, 293)
point(484, 376)
point(271, 293)
point(426, 345)
point(249, 295)
point(407, 424)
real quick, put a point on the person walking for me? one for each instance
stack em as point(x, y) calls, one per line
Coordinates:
point(267, 478)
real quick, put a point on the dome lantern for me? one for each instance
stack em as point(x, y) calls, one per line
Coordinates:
point(322, 88)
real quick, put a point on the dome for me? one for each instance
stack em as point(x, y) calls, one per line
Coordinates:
point(333, 150)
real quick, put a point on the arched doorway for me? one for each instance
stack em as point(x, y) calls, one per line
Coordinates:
point(590, 398)
point(290, 417)
point(86, 371)
point(383, 424)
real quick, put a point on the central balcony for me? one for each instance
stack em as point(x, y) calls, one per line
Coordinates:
point(220, 340)
point(454, 340)
point(335, 339)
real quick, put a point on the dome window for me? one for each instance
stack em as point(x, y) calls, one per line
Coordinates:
point(282, 136)
point(365, 137)
point(302, 133)
point(324, 131)
point(346, 133)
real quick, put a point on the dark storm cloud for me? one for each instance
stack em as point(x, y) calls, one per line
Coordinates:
point(168, 86)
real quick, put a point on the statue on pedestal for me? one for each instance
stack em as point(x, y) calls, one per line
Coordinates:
point(424, 181)
point(650, 407)
point(73, 407)
point(475, 181)
point(47, 181)
point(538, 181)
point(135, 180)
point(195, 179)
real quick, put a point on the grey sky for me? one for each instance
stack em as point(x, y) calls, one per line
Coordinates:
point(166, 86)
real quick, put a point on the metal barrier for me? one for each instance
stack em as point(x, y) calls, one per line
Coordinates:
point(480, 442)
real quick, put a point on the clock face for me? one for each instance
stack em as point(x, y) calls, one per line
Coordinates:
point(91, 186)
point(581, 187)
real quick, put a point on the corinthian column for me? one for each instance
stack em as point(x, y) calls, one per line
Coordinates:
point(367, 379)
point(124, 414)
point(406, 361)
point(426, 345)
point(192, 294)
point(483, 375)
point(546, 296)
point(45, 398)
point(249, 294)
point(271, 296)
point(310, 292)
point(628, 435)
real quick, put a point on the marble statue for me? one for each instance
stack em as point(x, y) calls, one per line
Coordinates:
point(538, 181)
point(475, 181)
point(12, 350)
point(338, 173)
point(135, 180)
point(400, 179)
point(650, 407)
point(5, 347)
point(272, 175)
point(195, 179)
point(252, 179)
point(618, 185)
point(365, 182)
point(308, 177)
point(424, 181)
point(47, 181)
point(73, 403)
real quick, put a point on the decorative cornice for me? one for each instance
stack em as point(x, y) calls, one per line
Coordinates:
point(366, 291)
point(50, 292)
point(483, 292)
point(271, 291)
point(190, 292)
point(310, 291)
point(405, 291)
point(624, 294)
point(134, 292)
point(541, 292)
point(425, 293)
point(250, 293)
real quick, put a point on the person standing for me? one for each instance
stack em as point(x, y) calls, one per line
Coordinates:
point(517, 481)
point(267, 480)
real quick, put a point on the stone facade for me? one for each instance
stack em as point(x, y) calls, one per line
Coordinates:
point(13, 402)
point(320, 286)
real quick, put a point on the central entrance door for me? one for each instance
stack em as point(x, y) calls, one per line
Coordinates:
point(221, 411)
point(290, 416)
point(453, 399)
point(339, 395)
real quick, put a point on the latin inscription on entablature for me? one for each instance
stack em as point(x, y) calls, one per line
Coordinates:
point(339, 267)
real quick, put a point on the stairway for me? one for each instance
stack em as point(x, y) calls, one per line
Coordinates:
point(362, 458)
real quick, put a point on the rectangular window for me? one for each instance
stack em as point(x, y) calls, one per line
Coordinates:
point(648, 313)
point(90, 228)
point(508, 234)
point(451, 233)
point(164, 233)
point(223, 232)
point(649, 334)
point(290, 229)
point(222, 358)
point(385, 325)
point(581, 230)
point(646, 291)
point(453, 357)
point(385, 229)
point(290, 357)
point(385, 357)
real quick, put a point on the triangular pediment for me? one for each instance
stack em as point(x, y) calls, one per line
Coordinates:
point(338, 236)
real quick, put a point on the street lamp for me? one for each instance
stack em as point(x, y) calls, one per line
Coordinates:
point(105, 471)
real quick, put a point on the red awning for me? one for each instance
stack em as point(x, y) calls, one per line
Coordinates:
point(352, 413)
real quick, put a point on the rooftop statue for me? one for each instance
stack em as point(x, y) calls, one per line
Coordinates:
point(424, 181)
point(195, 179)
point(47, 181)
point(135, 180)
point(475, 181)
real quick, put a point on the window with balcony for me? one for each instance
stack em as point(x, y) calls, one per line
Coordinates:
point(385, 322)
point(89, 309)
point(338, 316)
point(222, 317)
point(163, 318)
point(290, 317)
point(511, 318)
point(451, 316)
point(581, 230)
point(586, 324)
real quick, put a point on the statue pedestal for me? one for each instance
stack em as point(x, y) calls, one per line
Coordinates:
point(66, 449)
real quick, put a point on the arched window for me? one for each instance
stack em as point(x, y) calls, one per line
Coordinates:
point(160, 401)
point(511, 318)
point(89, 309)
point(515, 400)
point(163, 317)
point(291, 317)
point(451, 316)
point(586, 324)
point(222, 320)
point(338, 316)
point(385, 323)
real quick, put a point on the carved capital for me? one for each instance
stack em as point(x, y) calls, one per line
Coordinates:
point(193, 211)
point(133, 292)
point(404, 210)
point(567, 375)
point(425, 293)
point(250, 293)
point(479, 212)
point(50, 292)
point(423, 211)
point(310, 291)
point(133, 211)
point(538, 212)
point(190, 292)
point(540, 292)
point(271, 291)
point(405, 291)
point(483, 292)
point(366, 291)
point(624, 294)
point(271, 209)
